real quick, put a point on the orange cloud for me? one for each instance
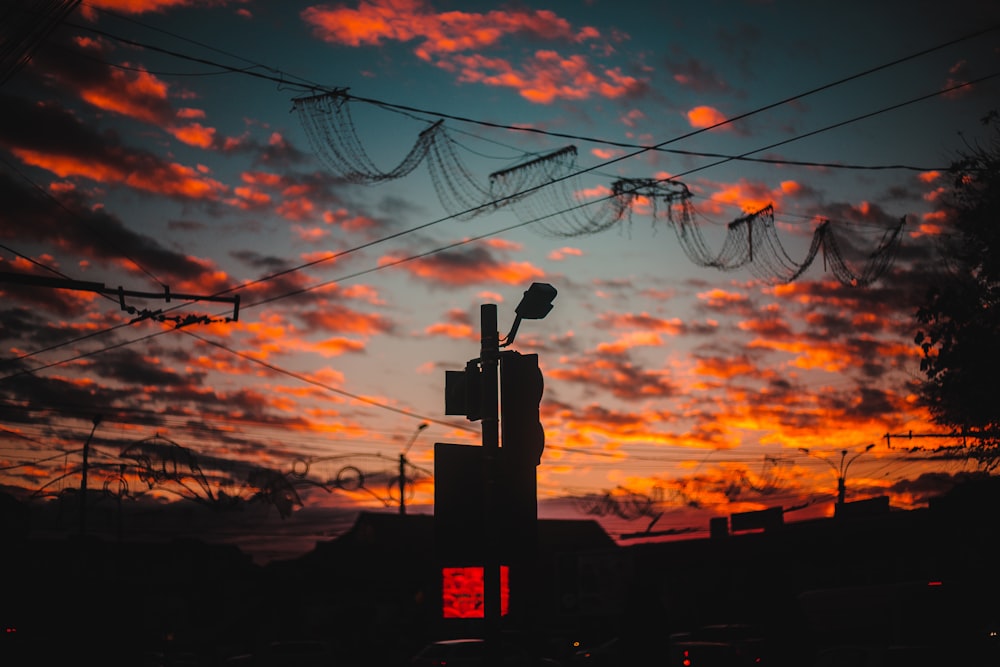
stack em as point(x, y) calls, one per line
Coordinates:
point(188, 114)
point(297, 209)
point(458, 331)
point(194, 134)
point(135, 6)
point(606, 153)
point(563, 253)
point(168, 179)
point(957, 77)
point(338, 317)
point(725, 368)
point(504, 244)
point(309, 234)
point(631, 118)
point(547, 77)
point(621, 379)
point(493, 297)
point(468, 267)
point(749, 196)
point(338, 346)
point(378, 21)
point(261, 178)
point(643, 321)
point(705, 116)
point(65, 166)
point(144, 97)
point(453, 41)
point(933, 224)
point(365, 293)
point(247, 198)
point(138, 95)
point(348, 221)
point(720, 298)
point(631, 340)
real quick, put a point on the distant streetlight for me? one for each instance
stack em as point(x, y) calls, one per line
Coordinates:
point(840, 469)
point(83, 477)
point(402, 467)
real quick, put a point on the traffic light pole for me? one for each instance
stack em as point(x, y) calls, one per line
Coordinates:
point(489, 355)
point(507, 480)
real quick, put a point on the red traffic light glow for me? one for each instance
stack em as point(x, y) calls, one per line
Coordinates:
point(462, 592)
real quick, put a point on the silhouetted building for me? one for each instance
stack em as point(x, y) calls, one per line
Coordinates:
point(375, 592)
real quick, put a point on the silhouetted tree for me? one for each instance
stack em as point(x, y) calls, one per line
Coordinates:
point(960, 317)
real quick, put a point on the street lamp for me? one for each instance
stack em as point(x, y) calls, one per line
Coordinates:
point(840, 469)
point(508, 477)
point(534, 305)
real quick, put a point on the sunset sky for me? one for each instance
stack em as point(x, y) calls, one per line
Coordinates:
point(365, 175)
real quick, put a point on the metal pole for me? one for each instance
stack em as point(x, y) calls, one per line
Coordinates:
point(842, 480)
point(402, 483)
point(489, 356)
point(845, 463)
point(402, 467)
point(83, 478)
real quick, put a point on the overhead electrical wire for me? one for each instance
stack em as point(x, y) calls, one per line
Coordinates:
point(411, 257)
point(47, 195)
point(336, 255)
point(515, 128)
point(642, 149)
point(323, 385)
point(284, 79)
point(339, 254)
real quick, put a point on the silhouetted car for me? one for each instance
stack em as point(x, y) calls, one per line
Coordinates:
point(471, 652)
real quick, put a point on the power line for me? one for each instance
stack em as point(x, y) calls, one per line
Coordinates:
point(515, 128)
point(323, 385)
point(99, 288)
point(642, 149)
point(855, 119)
point(282, 78)
point(26, 27)
point(342, 253)
point(40, 190)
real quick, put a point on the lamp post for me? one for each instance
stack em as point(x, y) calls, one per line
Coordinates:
point(504, 481)
point(534, 305)
point(840, 469)
point(402, 467)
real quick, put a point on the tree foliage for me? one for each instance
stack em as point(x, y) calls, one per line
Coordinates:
point(960, 317)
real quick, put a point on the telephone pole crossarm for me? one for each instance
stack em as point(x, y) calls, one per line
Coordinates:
point(120, 292)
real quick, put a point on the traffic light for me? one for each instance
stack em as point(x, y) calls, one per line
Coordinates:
point(463, 391)
point(521, 386)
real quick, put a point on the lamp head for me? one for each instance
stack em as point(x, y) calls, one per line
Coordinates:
point(537, 301)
